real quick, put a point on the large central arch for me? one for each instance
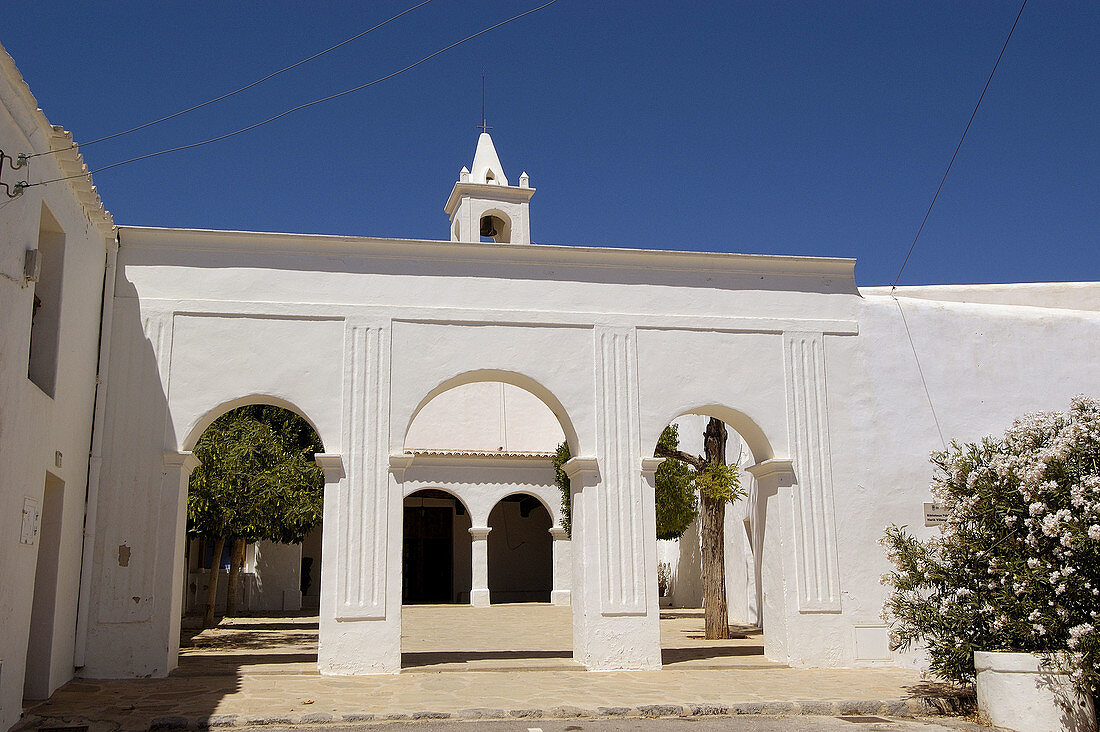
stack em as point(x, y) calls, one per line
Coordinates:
point(508, 377)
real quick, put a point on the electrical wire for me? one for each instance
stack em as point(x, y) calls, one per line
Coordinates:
point(236, 91)
point(299, 107)
point(957, 147)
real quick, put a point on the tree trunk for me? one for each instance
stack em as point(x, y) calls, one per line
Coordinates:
point(212, 585)
point(712, 526)
point(233, 584)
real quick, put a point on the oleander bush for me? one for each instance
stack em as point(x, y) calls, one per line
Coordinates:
point(1016, 566)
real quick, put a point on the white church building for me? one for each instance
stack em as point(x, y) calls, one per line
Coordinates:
point(441, 375)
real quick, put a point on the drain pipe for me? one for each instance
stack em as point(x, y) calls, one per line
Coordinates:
point(95, 459)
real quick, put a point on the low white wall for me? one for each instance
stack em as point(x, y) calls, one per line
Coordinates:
point(278, 578)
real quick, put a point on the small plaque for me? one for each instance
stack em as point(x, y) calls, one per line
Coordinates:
point(935, 514)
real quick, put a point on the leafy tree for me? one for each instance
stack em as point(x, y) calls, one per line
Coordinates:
point(675, 495)
point(718, 484)
point(257, 481)
point(677, 502)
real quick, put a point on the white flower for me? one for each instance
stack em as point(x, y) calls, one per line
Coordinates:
point(1094, 532)
point(1079, 630)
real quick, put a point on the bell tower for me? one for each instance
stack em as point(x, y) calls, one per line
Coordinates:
point(483, 204)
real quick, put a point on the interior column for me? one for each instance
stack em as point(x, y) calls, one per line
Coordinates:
point(479, 569)
point(559, 595)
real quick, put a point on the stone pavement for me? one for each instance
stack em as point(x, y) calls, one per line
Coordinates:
point(461, 662)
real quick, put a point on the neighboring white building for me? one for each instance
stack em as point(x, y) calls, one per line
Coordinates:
point(440, 374)
point(56, 242)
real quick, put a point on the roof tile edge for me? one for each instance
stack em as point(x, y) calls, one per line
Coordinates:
point(68, 157)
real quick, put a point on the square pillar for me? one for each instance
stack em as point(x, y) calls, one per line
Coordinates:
point(360, 618)
point(479, 567)
point(774, 481)
point(360, 622)
point(559, 595)
point(614, 597)
point(177, 477)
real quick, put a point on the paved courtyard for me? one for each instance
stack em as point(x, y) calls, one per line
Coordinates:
point(466, 662)
point(437, 638)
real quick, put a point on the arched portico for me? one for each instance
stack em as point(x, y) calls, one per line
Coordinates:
point(485, 439)
point(613, 344)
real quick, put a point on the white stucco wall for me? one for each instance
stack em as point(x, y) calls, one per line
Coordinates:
point(819, 382)
point(36, 427)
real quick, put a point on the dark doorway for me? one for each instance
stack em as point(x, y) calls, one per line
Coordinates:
point(521, 552)
point(427, 572)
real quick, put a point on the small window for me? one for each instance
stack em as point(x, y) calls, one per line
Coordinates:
point(46, 310)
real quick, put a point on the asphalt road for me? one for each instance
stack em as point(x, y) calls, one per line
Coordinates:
point(709, 724)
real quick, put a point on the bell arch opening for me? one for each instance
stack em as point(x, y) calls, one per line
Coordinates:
point(495, 226)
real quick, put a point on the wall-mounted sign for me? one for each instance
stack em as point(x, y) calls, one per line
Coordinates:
point(935, 514)
point(28, 530)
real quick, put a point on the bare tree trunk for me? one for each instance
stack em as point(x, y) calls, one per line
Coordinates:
point(212, 586)
point(712, 527)
point(233, 584)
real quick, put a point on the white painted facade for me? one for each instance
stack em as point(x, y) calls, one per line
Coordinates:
point(838, 396)
point(47, 394)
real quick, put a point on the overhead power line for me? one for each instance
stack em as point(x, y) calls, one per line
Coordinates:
point(957, 147)
point(246, 87)
point(330, 97)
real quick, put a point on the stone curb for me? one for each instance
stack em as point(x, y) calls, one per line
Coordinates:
point(914, 707)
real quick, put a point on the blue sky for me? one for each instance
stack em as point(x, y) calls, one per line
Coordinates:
point(810, 128)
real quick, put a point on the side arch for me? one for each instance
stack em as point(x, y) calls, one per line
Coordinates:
point(508, 377)
point(204, 421)
point(759, 444)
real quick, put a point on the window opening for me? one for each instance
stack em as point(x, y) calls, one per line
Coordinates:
point(46, 308)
